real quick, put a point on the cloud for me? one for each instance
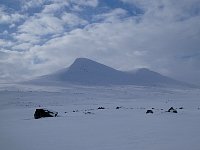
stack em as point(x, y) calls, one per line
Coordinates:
point(91, 3)
point(9, 66)
point(126, 44)
point(164, 37)
point(71, 20)
point(96, 41)
point(10, 18)
point(112, 16)
point(167, 11)
point(41, 25)
point(52, 21)
point(5, 43)
point(2, 42)
point(54, 7)
point(27, 37)
point(22, 47)
point(27, 4)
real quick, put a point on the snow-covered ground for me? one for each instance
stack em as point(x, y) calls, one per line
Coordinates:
point(82, 126)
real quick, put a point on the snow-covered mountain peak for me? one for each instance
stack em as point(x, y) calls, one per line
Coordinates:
point(86, 65)
point(88, 72)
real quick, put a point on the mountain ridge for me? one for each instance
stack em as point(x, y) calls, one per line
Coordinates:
point(88, 72)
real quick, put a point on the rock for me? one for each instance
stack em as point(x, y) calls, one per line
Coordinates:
point(88, 112)
point(149, 111)
point(172, 110)
point(118, 107)
point(181, 108)
point(101, 108)
point(41, 113)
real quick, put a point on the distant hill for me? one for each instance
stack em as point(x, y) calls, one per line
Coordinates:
point(88, 72)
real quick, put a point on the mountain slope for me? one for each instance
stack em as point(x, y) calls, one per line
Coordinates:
point(88, 72)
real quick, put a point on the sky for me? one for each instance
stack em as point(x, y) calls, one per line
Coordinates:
point(39, 37)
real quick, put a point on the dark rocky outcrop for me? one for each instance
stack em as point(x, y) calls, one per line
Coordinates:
point(118, 107)
point(149, 112)
point(172, 110)
point(75, 110)
point(101, 108)
point(41, 113)
point(88, 112)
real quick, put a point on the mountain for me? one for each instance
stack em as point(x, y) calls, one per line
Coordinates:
point(88, 72)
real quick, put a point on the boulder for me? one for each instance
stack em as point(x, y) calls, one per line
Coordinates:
point(149, 111)
point(42, 112)
point(118, 107)
point(172, 110)
point(101, 108)
point(88, 112)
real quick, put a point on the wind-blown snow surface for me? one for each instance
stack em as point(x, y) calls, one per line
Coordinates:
point(89, 128)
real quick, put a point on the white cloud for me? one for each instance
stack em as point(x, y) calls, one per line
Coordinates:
point(165, 38)
point(44, 24)
point(22, 47)
point(123, 45)
point(126, 45)
point(27, 37)
point(96, 42)
point(41, 25)
point(72, 20)
point(54, 7)
point(168, 11)
point(9, 18)
point(11, 65)
point(27, 4)
point(5, 43)
point(112, 16)
point(2, 42)
point(91, 3)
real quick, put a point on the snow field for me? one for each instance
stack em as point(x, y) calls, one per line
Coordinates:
point(104, 129)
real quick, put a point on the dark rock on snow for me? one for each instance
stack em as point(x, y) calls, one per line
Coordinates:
point(118, 107)
point(172, 110)
point(101, 108)
point(149, 111)
point(41, 113)
point(88, 112)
